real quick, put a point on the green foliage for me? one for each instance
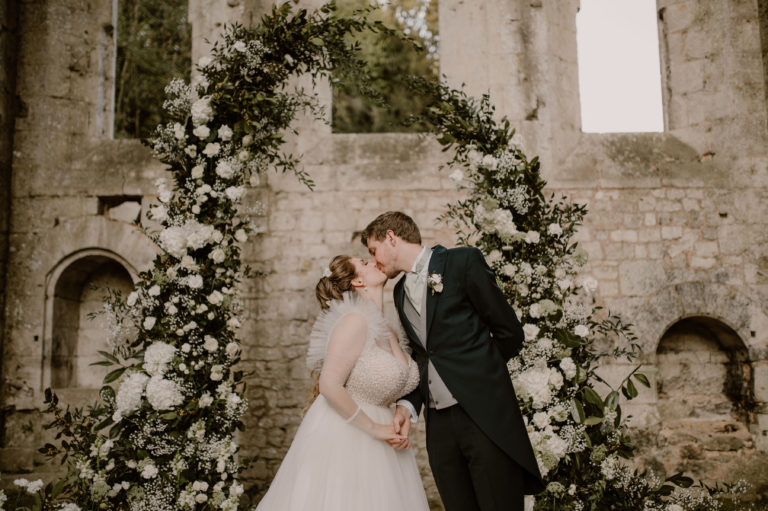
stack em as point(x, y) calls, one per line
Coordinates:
point(154, 41)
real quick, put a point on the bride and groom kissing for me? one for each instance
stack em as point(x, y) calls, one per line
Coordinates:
point(446, 356)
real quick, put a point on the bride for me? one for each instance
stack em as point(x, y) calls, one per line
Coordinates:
point(340, 459)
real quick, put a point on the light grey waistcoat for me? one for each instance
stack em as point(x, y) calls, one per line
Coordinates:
point(439, 395)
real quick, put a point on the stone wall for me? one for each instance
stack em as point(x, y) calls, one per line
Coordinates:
point(676, 230)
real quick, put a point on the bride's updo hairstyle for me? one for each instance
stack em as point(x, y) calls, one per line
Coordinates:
point(340, 280)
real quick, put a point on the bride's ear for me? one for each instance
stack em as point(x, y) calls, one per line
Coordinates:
point(357, 282)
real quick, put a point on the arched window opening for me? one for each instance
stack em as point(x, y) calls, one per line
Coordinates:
point(619, 69)
point(76, 337)
point(389, 59)
point(154, 45)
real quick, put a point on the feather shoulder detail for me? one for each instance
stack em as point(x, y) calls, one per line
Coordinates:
point(327, 320)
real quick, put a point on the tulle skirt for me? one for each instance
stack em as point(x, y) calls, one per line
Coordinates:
point(334, 466)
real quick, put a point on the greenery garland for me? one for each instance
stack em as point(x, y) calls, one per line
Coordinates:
point(164, 439)
point(580, 437)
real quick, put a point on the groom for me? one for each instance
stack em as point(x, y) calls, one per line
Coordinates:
point(462, 331)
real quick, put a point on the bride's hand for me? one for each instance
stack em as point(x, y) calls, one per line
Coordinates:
point(385, 432)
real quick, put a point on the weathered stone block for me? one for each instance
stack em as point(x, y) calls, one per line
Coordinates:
point(640, 277)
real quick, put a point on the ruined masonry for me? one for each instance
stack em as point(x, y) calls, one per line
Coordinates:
point(677, 232)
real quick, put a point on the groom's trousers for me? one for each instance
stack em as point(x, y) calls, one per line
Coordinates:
point(472, 473)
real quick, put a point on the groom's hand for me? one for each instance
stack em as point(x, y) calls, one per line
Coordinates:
point(402, 424)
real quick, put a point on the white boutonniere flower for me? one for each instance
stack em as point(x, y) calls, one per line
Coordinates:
point(435, 282)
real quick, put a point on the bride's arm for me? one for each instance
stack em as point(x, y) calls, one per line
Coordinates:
point(346, 343)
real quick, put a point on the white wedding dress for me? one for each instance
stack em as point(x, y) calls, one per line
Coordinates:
point(333, 465)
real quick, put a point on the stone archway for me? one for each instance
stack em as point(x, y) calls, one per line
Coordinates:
point(705, 400)
point(75, 290)
point(75, 337)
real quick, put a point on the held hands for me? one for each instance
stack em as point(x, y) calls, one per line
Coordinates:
point(387, 433)
point(401, 424)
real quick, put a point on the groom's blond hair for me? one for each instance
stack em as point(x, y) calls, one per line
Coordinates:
point(401, 224)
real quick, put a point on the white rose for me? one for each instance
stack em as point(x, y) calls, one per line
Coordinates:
point(149, 471)
point(532, 237)
point(197, 172)
point(240, 46)
point(243, 155)
point(186, 347)
point(202, 131)
point(149, 322)
point(204, 61)
point(247, 140)
point(195, 281)
point(581, 331)
point(241, 236)
point(288, 59)
point(535, 310)
point(210, 344)
point(178, 131)
point(531, 331)
point(159, 213)
point(555, 379)
point(232, 349)
point(254, 180)
point(205, 400)
point(555, 229)
point(154, 290)
point(564, 284)
point(211, 149)
point(191, 151)
point(217, 255)
point(131, 300)
point(541, 419)
point(165, 196)
point(225, 132)
point(215, 298)
point(196, 209)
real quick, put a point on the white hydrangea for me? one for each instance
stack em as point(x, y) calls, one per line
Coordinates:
point(163, 394)
point(157, 357)
point(202, 111)
point(569, 367)
point(533, 383)
point(129, 394)
point(201, 131)
point(224, 169)
point(234, 193)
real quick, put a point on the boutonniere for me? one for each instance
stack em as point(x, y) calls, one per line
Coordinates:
point(435, 282)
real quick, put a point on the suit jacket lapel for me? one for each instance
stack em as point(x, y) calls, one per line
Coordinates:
point(436, 265)
point(399, 296)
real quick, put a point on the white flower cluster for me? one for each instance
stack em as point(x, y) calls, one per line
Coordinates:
point(178, 239)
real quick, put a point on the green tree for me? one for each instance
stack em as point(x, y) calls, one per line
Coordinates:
point(153, 46)
point(390, 58)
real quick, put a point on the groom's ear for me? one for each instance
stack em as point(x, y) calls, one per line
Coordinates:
point(391, 237)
